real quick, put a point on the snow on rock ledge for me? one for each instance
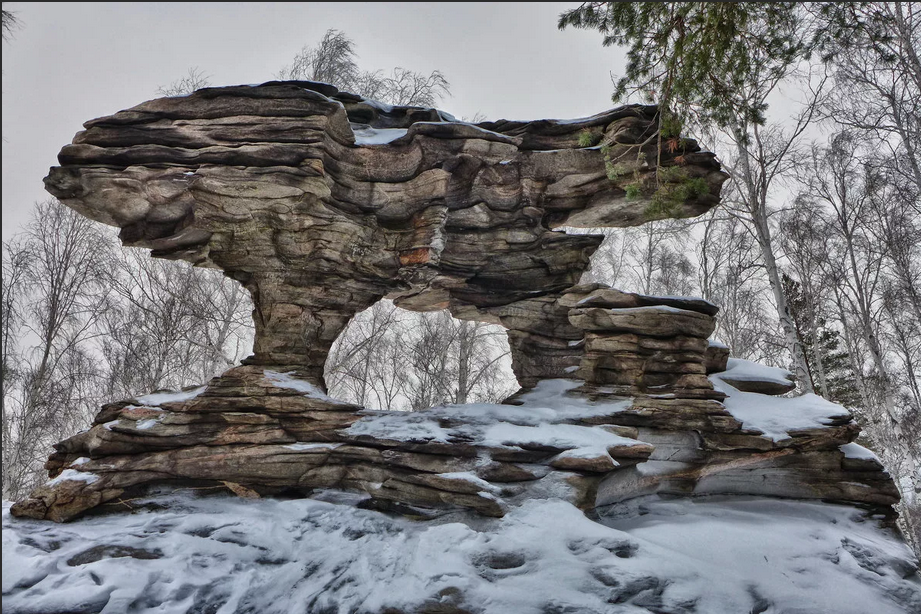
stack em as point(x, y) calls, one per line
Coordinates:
point(778, 417)
point(285, 435)
point(749, 376)
point(800, 447)
point(271, 431)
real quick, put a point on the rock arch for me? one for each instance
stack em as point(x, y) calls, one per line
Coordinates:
point(391, 358)
point(321, 203)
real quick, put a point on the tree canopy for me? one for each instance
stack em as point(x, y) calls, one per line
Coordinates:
point(716, 60)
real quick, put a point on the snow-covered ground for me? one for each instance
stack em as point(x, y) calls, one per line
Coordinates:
point(225, 555)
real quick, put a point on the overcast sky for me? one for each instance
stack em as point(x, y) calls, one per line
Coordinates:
point(68, 63)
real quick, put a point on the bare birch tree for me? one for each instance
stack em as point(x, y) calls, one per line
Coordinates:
point(875, 54)
point(59, 278)
point(193, 80)
point(730, 275)
point(334, 60)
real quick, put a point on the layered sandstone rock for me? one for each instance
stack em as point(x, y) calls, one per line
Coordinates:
point(267, 432)
point(322, 203)
point(255, 432)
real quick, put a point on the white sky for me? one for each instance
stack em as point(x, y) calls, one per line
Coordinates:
point(71, 62)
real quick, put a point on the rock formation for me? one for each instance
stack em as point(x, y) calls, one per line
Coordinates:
point(321, 203)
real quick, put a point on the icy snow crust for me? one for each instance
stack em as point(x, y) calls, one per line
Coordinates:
point(227, 555)
point(535, 423)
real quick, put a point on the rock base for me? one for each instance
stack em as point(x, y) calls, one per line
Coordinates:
point(257, 432)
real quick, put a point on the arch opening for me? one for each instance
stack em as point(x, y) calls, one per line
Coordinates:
point(392, 358)
point(655, 259)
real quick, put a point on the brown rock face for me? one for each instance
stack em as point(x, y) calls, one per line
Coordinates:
point(717, 357)
point(322, 203)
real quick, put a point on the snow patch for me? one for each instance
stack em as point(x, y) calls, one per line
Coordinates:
point(468, 476)
point(312, 446)
point(567, 122)
point(666, 308)
point(857, 451)
point(503, 137)
point(377, 104)
point(286, 380)
point(542, 410)
point(591, 442)
point(377, 136)
point(745, 370)
point(158, 398)
point(72, 475)
point(400, 426)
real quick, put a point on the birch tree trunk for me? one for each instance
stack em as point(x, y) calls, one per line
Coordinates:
point(754, 192)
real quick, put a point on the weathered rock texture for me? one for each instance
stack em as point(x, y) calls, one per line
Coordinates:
point(321, 204)
point(268, 184)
